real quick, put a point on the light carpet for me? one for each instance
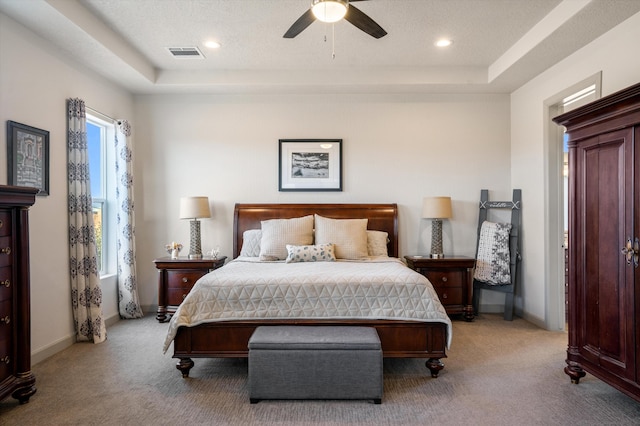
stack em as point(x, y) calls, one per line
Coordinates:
point(497, 373)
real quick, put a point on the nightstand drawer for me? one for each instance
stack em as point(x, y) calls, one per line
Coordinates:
point(175, 296)
point(183, 279)
point(450, 295)
point(444, 278)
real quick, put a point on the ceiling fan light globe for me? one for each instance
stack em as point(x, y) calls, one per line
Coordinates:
point(329, 10)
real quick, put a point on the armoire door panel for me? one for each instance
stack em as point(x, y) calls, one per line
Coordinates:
point(607, 337)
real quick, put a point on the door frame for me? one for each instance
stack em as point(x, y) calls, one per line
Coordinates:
point(554, 274)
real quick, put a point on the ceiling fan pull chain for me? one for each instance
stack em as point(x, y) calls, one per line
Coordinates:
point(333, 41)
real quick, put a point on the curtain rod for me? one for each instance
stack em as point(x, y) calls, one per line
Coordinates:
point(101, 115)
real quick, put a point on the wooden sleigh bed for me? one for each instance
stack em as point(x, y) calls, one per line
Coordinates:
point(229, 339)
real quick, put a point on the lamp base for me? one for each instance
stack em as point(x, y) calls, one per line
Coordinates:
point(195, 252)
point(436, 239)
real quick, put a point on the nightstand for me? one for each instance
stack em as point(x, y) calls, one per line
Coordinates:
point(177, 277)
point(452, 278)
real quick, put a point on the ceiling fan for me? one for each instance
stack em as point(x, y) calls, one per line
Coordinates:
point(333, 11)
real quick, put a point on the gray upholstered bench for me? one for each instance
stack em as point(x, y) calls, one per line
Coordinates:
point(315, 362)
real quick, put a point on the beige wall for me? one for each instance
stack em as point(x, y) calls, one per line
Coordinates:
point(615, 54)
point(35, 82)
point(395, 149)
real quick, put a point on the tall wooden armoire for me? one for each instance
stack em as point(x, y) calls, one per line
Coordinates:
point(604, 232)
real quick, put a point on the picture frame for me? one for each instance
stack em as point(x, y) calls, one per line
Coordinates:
point(28, 157)
point(310, 165)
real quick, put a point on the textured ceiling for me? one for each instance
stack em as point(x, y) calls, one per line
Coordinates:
point(498, 44)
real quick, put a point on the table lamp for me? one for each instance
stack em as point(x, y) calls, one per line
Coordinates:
point(436, 208)
point(194, 208)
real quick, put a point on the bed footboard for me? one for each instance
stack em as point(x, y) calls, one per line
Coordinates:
point(399, 339)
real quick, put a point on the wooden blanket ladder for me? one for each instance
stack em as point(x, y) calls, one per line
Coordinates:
point(514, 249)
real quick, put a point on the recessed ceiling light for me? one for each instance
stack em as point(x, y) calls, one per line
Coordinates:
point(444, 42)
point(212, 44)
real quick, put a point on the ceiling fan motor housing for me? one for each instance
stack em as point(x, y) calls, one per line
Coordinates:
point(329, 10)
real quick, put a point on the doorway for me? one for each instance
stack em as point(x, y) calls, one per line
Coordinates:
point(556, 197)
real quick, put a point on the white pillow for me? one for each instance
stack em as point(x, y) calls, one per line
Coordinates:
point(277, 233)
point(377, 243)
point(251, 243)
point(492, 263)
point(348, 235)
point(317, 253)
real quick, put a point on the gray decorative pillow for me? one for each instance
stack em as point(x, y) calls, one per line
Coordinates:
point(492, 263)
point(317, 253)
point(251, 243)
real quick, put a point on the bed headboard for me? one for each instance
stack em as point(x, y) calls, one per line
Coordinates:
point(382, 217)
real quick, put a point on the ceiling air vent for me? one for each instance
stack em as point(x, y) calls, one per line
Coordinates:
point(186, 52)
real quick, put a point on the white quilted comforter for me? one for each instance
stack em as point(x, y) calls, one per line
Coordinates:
point(379, 288)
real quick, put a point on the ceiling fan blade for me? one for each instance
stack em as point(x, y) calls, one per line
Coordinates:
point(303, 22)
point(362, 21)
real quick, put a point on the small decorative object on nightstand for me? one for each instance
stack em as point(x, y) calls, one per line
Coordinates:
point(436, 208)
point(174, 249)
point(452, 278)
point(177, 277)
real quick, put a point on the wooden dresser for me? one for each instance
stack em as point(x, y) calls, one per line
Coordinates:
point(16, 378)
point(604, 232)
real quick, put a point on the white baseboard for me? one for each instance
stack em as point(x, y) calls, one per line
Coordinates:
point(63, 343)
point(52, 349)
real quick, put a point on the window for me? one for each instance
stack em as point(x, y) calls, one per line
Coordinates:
point(98, 133)
point(96, 150)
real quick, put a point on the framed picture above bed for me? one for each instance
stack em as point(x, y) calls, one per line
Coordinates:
point(28, 157)
point(310, 165)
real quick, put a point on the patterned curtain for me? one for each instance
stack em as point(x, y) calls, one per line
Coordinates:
point(86, 294)
point(128, 303)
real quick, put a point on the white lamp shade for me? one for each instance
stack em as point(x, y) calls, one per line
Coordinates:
point(436, 208)
point(194, 207)
point(329, 10)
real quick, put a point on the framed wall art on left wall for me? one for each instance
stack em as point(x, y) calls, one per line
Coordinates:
point(28, 157)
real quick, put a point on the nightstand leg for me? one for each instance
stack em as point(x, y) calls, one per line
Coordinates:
point(468, 313)
point(162, 314)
